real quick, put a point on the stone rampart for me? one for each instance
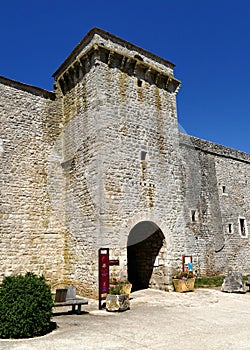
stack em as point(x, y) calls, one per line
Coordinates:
point(31, 231)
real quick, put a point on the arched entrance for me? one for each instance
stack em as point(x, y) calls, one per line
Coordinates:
point(144, 251)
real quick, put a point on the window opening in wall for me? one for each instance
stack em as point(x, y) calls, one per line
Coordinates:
point(230, 228)
point(243, 228)
point(143, 155)
point(139, 82)
point(193, 215)
point(223, 189)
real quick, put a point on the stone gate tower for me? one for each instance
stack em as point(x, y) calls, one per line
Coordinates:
point(119, 158)
point(100, 163)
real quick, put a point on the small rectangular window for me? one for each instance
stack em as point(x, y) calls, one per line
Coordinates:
point(224, 190)
point(242, 227)
point(193, 215)
point(139, 82)
point(143, 155)
point(229, 228)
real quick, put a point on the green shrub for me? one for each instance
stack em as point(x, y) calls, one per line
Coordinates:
point(212, 281)
point(25, 306)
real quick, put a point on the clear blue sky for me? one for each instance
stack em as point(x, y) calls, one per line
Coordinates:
point(208, 40)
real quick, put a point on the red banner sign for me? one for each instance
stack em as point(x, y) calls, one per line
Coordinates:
point(103, 274)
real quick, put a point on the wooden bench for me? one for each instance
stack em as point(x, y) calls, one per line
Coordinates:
point(67, 297)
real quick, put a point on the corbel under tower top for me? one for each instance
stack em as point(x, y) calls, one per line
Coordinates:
point(99, 45)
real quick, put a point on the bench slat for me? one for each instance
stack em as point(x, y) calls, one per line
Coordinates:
point(71, 302)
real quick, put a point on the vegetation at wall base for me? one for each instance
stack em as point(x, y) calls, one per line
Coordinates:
point(25, 306)
point(209, 282)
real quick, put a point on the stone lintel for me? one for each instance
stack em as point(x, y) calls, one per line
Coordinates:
point(134, 66)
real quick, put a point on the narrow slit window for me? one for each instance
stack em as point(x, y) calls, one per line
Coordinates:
point(143, 155)
point(193, 215)
point(230, 228)
point(223, 189)
point(242, 226)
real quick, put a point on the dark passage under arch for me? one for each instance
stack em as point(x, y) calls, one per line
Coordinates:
point(144, 243)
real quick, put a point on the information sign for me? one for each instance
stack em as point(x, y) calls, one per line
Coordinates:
point(187, 263)
point(103, 274)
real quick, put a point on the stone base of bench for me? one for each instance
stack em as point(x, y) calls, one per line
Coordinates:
point(73, 303)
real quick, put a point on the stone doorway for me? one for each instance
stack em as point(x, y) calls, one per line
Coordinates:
point(145, 256)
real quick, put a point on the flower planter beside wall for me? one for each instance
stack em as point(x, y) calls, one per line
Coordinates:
point(184, 285)
point(118, 302)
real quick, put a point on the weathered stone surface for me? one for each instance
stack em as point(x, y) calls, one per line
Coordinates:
point(100, 160)
point(233, 283)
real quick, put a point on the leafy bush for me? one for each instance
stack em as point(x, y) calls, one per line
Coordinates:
point(116, 287)
point(25, 306)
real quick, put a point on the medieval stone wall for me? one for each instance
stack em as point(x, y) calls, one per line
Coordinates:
point(139, 159)
point(31, 235)
point(120, 149)
point(82, 175)
point(218, 232)
point(100, 163)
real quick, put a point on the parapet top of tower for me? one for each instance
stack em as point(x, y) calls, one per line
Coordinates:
point(101, 45)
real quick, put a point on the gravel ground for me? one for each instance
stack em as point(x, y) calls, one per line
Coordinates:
point(205, 319)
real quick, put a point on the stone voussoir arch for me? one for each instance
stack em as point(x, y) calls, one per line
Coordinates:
point(146, 247)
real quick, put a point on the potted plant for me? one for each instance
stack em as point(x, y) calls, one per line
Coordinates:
point(184, 281)
point(118, 297)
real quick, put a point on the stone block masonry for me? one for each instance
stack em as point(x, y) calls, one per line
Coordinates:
point(121, 105)
point(100, 162)
point(31, 233)
point(219, 228)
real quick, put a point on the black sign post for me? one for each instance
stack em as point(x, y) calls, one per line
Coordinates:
point(103, 257)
